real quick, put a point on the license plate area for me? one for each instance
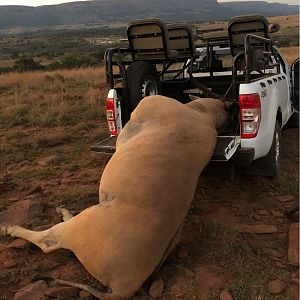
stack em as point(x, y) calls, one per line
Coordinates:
point(225, 148)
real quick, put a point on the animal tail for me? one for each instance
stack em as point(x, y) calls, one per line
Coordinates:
point(97, 294)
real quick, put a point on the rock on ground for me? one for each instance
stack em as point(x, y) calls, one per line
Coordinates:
point(85, 295)
point(256, 228)
point(276, 287)
point(22, 212)
point(33, 291)
point(182, 253)
point(188, 273)
point(225, 295)
point(285, 198)
point(156, 288)
point(18, 244)
point(293, 251)
point(46, 160)
point(62, 292)
point(35, 190)
point(9, 264)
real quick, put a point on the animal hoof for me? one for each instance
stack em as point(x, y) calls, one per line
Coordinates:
point(59, 209)
point(6, 230)
point(66, 214)
point(3, 231)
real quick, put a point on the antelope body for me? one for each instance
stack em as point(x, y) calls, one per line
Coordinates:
point(145, 193)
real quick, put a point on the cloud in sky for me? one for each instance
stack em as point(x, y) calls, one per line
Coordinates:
point(296, 2)
point(34, 2)
point(48, 2)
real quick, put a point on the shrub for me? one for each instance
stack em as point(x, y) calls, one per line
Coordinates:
point(25, 64)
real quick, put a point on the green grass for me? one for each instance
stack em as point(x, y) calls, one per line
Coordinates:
point(242, 257)
point(77, 200)
point(51, 117)
point(3, 204)
point(9, 276)
point(51, 99)
point(46, 142)
point(40, 220)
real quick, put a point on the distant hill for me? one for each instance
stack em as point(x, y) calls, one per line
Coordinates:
point(107, 11)
point(260, 7)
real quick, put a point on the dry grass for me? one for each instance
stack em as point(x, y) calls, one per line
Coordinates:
point(52, 98)
point(69, 102)
point(241, 257)
point(67, 97)
point(285, 21)
point(290, 54)
point(290, 21)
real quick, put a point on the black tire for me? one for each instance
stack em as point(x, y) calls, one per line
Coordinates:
point(268, 166)
point(293, 121)
point(142, 81)
point(125, 109)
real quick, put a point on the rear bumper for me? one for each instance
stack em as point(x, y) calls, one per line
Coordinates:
point(243, 156)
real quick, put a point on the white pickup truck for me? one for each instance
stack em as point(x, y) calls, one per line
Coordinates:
point(240, 64)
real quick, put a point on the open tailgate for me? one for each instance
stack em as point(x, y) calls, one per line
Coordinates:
point(106, 146)
point(225, 148)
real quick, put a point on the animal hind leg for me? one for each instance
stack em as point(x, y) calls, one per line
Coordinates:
point(47, 240)
point(66, 214)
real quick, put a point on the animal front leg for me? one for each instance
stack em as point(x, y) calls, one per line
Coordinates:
point(47, 240)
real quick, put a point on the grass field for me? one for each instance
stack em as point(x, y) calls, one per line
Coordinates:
point(51, 99)
point(60, 98)
point(47, 123)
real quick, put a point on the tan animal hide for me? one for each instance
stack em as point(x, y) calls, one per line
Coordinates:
point(145, 193)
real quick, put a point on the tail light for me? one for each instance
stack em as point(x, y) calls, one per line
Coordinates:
point(250, 114)
point(111, 116)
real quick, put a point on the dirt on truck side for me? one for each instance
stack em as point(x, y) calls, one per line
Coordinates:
point(239, 240)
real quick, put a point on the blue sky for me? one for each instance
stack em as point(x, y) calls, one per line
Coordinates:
point(47, 2)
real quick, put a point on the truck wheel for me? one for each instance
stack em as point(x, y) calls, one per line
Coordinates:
point(142, 81)
point(268, 166)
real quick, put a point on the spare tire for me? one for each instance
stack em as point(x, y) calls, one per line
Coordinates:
point(142, 81)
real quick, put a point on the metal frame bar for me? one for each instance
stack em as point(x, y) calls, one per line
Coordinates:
point(109, 64)
point(162, 34)
point(248, 52)
point(265, 26)
point(234, 75)
point(111, 76)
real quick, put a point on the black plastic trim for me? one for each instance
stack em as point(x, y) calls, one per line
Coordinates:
point(243, 156)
